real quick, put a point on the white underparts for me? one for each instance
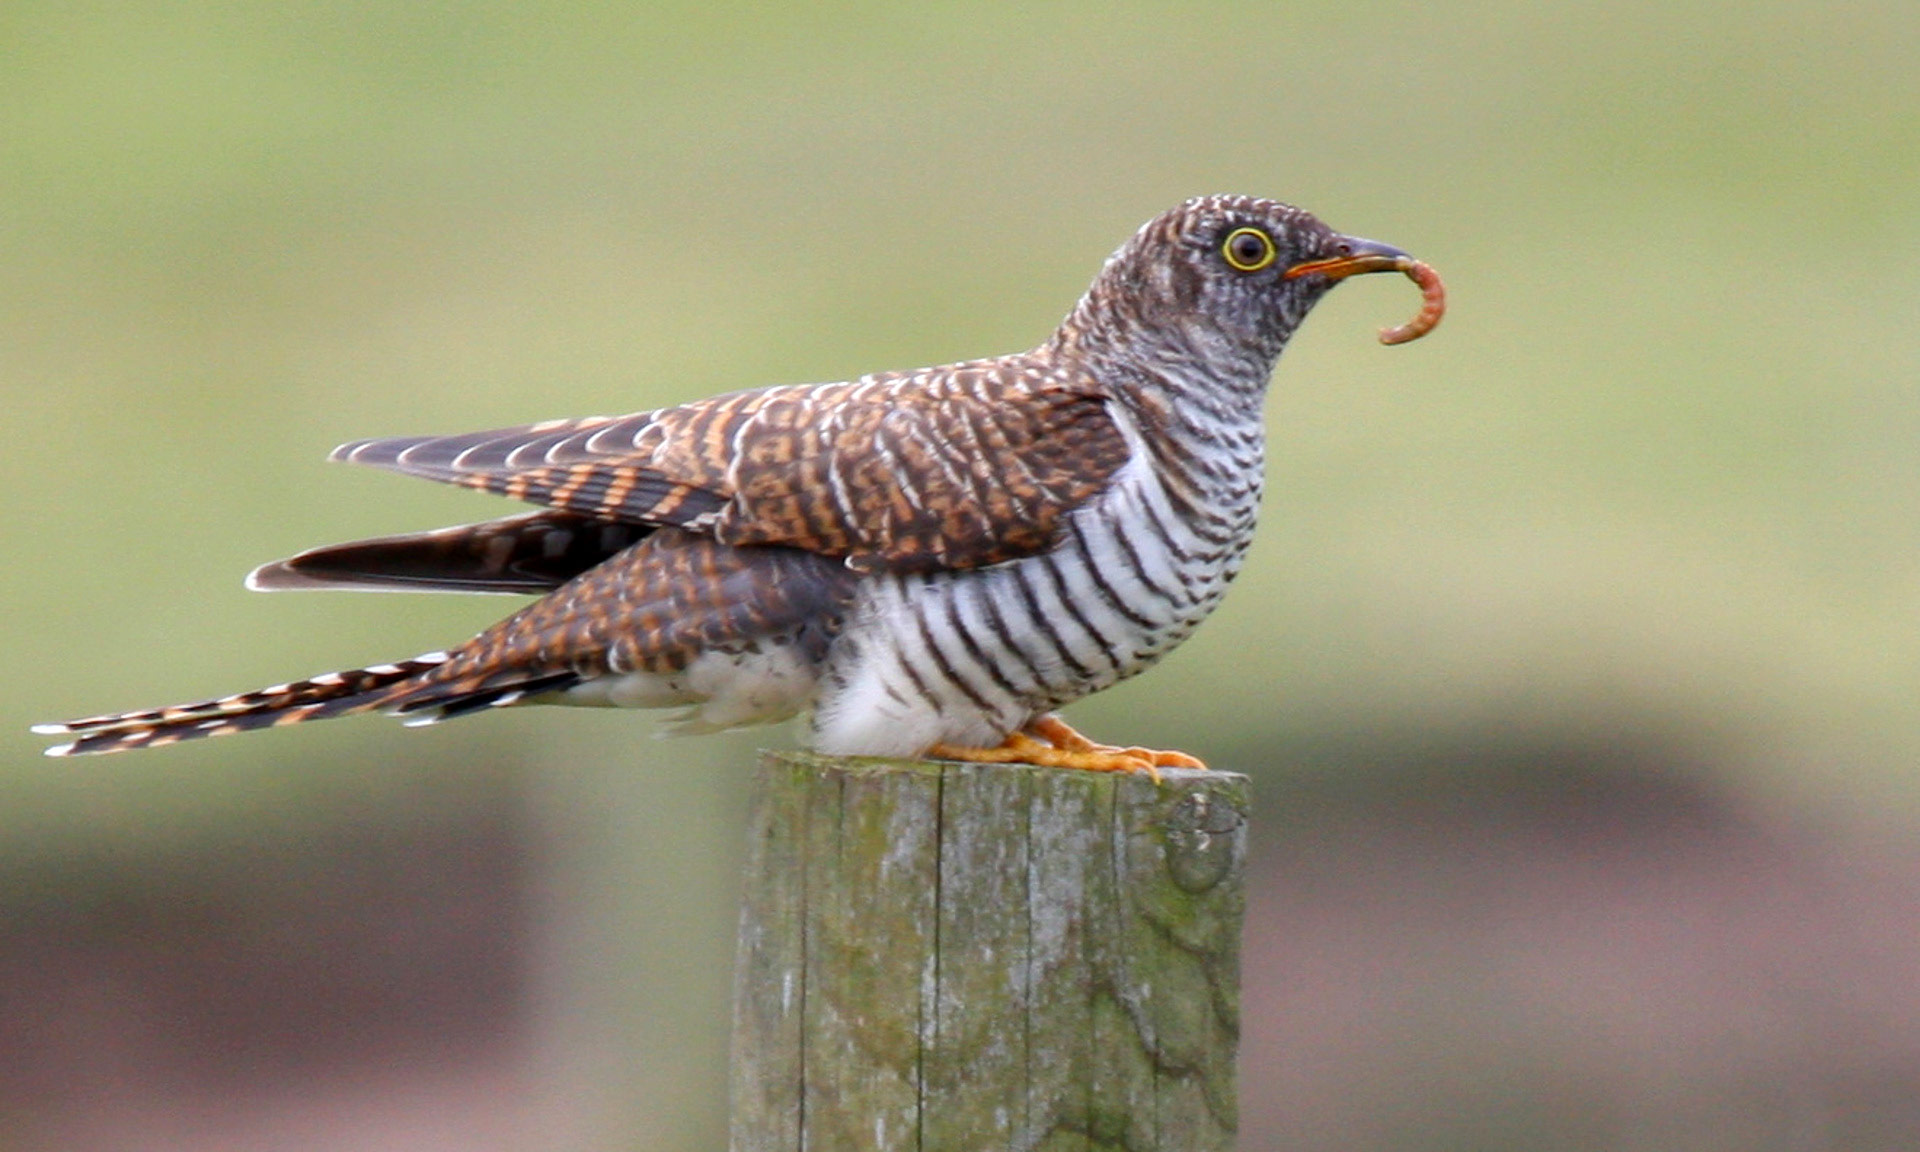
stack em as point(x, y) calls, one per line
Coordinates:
point(719, 689)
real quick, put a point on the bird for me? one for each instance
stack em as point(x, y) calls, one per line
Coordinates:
point(926, 563)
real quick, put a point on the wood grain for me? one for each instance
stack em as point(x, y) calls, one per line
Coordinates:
point(938, 956)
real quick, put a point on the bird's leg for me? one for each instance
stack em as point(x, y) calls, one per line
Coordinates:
point(1050, 742)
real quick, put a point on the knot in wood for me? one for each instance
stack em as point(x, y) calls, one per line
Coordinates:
point(1202, 832)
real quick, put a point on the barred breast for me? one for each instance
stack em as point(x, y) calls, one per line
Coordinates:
point(965, 657)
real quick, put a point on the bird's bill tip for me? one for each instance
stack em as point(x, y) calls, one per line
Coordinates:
point(276, 576)
point(56, 729)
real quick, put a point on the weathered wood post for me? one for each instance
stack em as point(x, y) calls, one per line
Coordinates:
point(937, 956)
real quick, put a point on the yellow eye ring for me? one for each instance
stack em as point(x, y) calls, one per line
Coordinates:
point(1248, 249)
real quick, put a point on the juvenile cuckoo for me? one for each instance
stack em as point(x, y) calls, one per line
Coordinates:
point(926, 563)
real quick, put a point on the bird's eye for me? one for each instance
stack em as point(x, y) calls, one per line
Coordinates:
point(1248, 249)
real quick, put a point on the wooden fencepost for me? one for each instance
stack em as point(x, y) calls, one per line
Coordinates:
point(941, 956)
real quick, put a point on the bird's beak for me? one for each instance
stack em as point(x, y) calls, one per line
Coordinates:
point(1356, 256)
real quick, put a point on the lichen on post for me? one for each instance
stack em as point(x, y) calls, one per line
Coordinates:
point(941, 956)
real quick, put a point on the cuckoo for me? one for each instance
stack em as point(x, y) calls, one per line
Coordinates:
point(924, 563)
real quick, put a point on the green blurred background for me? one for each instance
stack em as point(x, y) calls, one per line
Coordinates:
point(1576, 663)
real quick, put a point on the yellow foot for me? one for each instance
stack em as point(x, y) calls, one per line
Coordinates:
point(1051, 742)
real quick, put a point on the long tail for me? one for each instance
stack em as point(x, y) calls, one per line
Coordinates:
point(333, 694)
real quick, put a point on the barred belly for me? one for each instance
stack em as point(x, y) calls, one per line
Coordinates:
point(967, 657)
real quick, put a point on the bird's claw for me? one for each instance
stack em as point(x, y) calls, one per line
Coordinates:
point(1050, 742)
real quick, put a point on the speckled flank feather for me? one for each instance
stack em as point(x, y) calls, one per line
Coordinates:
point(934, 557)
point(653, 609)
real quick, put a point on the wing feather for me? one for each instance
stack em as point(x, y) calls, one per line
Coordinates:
point(565, 464)
point(953, 467)
point(529, 553)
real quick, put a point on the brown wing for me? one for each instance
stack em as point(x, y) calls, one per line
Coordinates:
point(946, 468)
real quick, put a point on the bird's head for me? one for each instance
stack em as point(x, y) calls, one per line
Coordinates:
point(1229, 278)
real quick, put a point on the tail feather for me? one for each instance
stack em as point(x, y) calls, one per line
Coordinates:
point(332, 694)
point(459, 699)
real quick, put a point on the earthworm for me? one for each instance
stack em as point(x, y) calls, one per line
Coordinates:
point(1433, 304)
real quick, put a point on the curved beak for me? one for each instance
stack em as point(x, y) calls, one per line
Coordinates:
point(1356, 256)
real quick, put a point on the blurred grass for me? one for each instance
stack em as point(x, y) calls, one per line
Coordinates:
point(1657, 470)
